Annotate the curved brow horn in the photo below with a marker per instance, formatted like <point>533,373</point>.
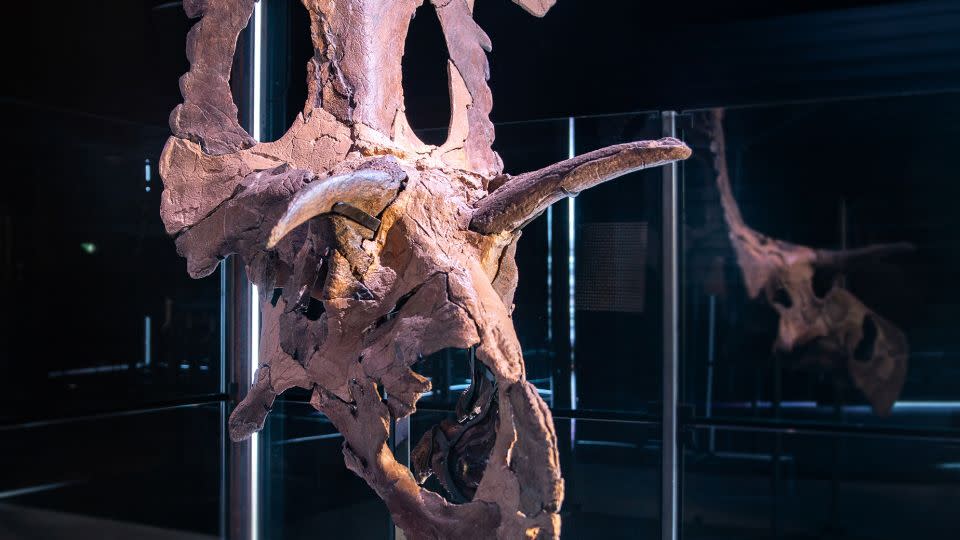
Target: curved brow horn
<point>521,198</point>
<point>369,190</point>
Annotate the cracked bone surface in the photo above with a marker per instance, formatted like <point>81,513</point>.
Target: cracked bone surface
<point>371,249</point>
<point>831,329</point>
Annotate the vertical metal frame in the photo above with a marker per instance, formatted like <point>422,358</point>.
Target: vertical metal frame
<point>224,385</point>
<point>237,363</point>
<point>572,283</point>
<point>240,320</point>
<point>670,486</point>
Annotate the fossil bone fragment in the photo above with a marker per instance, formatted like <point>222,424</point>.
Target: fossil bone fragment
<point>371,249</point>
<point>833,329</point>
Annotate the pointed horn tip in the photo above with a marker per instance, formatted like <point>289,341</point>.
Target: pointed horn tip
<point>677,148</point>
<point>669,148</point>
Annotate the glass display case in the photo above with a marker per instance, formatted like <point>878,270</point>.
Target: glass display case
<point>681,408</point>
<point>767,446</point>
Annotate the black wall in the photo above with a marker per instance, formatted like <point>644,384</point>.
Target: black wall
<point>584,57</point>
<point>601,57</point>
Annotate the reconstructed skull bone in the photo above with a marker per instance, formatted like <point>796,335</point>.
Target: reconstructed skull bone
<point>371,249</point>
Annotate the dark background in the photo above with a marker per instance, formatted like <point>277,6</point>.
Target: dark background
<point>114,58</point>
<point>89,87</point>
<point>821,91</point>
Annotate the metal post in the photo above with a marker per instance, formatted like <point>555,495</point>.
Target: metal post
<point>224,385</point>
<point>711,360</point>
<point>236,340</point>
<point>671,341</point>
<point>572,284</point>
<point>240,488</point>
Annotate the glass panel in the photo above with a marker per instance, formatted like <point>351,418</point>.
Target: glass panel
<point>306,490</point>
<point>147,475</point>
<point>618,298</point>
<point>612,479</point>
<point>539,314</point>
<point>742,485</point>
<point>100,312</point>
<point>611,472</point>
<point>836,176</point>
<point>523,146</point>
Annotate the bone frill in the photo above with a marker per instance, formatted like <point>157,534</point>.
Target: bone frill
<point>835,329</point>
<point>372,250</point>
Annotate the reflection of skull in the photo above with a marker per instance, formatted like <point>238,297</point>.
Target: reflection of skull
<point>818,317</point>
<point>371,249</point>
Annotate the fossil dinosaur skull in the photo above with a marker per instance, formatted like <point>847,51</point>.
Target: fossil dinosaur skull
<point>371,249</point>
<point>832,328</point>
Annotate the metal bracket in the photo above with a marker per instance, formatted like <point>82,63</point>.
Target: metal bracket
<point>352,212</point>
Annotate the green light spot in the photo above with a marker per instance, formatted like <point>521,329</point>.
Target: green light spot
<point>88,247</point>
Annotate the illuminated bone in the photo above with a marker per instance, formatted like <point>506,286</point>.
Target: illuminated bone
<point>372,249</point>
